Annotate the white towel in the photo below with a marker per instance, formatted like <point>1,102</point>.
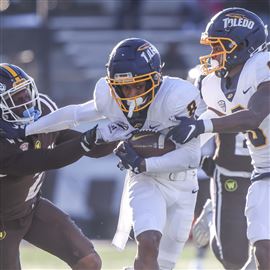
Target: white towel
<point>125,219</point>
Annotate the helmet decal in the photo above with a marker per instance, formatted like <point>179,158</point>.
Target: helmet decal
<point>235,19</point>
<point>148,52</point>
<point>3,88</point>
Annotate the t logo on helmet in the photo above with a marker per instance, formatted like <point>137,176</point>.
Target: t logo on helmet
<point>237,20</point>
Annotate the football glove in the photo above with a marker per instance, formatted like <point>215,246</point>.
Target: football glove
<point>208,165</point>
<point>129,159</point>
<point>11,131</point>
<point>201,227</point>
<point>186,130</point>
<point>105,133</point>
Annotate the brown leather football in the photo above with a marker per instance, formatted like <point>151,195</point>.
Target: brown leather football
<point>148,143</point>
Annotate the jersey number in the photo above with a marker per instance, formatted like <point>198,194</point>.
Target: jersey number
<point>34,189</point>
<point>191,107</point>
<point>255,136</point>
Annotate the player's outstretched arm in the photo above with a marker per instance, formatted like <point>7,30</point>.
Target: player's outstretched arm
<point>13,161</point>
<point>247,119</point>
<point>64,118</point>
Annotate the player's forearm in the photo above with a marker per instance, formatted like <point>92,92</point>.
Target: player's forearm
<point>33,161</point>
<point>64,118</point>
<point>184,158</point>
<point>237,122</point>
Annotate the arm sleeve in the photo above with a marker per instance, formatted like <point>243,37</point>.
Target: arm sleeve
<point>16,162</point>
<point>65,118</point>
<point>184,158</point>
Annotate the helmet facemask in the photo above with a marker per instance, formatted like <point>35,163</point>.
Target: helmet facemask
<point>138,102</point>
<point>217,59</point>
<point>21,104</point>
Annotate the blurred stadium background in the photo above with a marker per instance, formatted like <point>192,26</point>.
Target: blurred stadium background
<point>64,45</point>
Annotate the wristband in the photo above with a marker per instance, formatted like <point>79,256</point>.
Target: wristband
<point>208,126</point>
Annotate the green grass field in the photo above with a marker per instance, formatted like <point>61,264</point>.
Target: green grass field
<point>34,258</point>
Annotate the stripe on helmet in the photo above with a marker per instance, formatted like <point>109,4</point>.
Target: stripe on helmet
<point>11,72</point>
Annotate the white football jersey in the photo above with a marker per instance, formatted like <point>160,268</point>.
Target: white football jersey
<point>255,71</point>
<point>174,97</point>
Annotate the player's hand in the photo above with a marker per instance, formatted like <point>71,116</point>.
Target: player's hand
<point>11,131</point>
<point>208,165</point>
<point>114,131</point>
<point>129,159</point>
<point>105,133</point>
<point>186,130</point>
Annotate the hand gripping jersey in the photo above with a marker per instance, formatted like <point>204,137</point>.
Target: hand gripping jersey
<point>255,71</point>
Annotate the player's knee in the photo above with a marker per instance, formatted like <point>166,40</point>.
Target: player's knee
<point>89,262</point>
<point>148,243</point>
<point>262,253</point>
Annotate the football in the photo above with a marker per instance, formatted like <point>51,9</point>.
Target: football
<point>148,143</point>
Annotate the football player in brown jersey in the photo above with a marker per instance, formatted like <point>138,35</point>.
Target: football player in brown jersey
<point>24,214</point>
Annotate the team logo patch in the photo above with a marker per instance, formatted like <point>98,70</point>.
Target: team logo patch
<point>138,125</point>
<point>231,185</point>
<point>38,144</point>
<point>235,19</point>
<point>2,88</point>
<point>230,96</point>
<point>222,105</point>
<point>24,146</point>
<point>3,235</point>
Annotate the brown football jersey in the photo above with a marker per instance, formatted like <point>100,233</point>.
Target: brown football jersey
<point>19,189</point>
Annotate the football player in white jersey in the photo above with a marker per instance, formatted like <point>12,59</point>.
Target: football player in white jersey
<point>237,93</point>
<point>160,192</point>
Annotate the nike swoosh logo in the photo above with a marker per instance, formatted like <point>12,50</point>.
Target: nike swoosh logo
<point>245,91</point>
<point>154,126</point>
<point>194,191</point>
<point>138,137</point>
<point>192,128</point>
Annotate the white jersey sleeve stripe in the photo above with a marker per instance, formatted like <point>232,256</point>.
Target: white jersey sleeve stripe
<point>48,102</point>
